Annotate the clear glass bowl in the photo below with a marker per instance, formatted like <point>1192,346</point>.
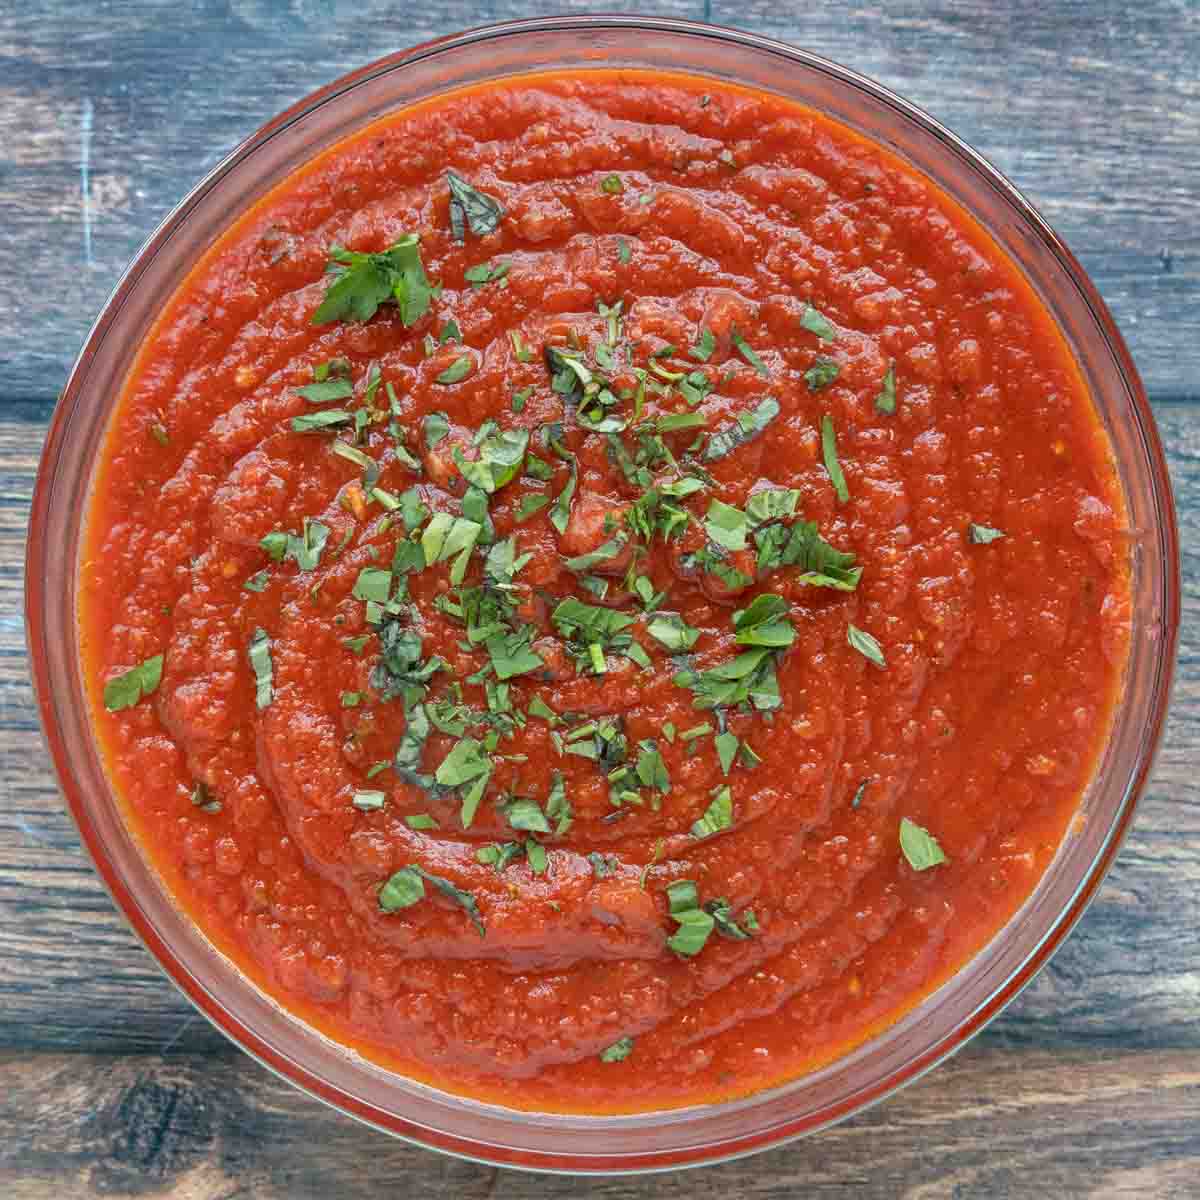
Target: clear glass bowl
<point>944,1021</point>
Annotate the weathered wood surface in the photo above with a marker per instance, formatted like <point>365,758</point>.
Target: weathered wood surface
<point>109,1085</point>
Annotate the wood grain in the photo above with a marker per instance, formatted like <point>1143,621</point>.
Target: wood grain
<point>986,1124</point>
<point>1092,108</point>
<point>110,1084</point>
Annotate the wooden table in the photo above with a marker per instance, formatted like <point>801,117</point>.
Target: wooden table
<point>111,1085</point>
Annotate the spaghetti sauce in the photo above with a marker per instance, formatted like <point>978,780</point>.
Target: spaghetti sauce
<point>603,591</point>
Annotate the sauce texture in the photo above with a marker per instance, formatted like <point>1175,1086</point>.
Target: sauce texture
<point>650,629</point>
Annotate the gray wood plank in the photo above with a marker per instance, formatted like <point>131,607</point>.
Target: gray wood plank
<point>73,977</point>
<point>1092,108</point>
<point>988,1123</point>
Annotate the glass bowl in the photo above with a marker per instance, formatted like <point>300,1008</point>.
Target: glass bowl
<point>948,1017</point>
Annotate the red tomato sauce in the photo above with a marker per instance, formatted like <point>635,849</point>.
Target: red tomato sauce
<point>445,824</point>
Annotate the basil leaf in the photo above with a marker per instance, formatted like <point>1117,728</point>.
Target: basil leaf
<point>695,926</point>
<point>676,422</point>
<point>829,453</point>
<point>727,747</point>
<point>539,708</point>
<point>764,622</point>
<point>702,351</point>
<point>530,504</point>
<point>500,458</point>
<point>535,855</point>
<point>722,913</point>
<point>618,1051</point>
<point>672,631</point>
<point>605,553</point>
<point>771,504</point>
<point>866,645</point>
<point>466,761</point>
<point>885,402</point>
<point>126,689</point>
<point>748,354</point>
<point>464,899</point>
<point>920,847</point>
<point>327,418</point>
<point>260,663</point>
<point>402,890</point>
<point>560,514</point>
<point>624,254</point>
<point>745,428</point>
<point>817,323</point>
<point>558,807</point>
<point>858,795</point>
<point>651,769</point>
<point>718,816</point>
<point>982,535</point>
<point>511,655</point>
<point>258,582</point>
<point>373,583</point>
<point>420,821</point>
<point>525,815</point>
<point>821,374</point>
<point>362,282</point>
<point>324,392</point>
<point>482,212</point>
<point>435,426</point>
<point>459,369</point>
<point>589,622</point>
<point>726,525</point>
<point>368,801</point>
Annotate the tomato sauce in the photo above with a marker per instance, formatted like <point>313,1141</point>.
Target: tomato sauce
<point>702,503</point>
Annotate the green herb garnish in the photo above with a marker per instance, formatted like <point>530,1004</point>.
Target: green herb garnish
<point>471,208</point>
<point>260,663</point>
<point>829,453</point>
<point>866,645</point>
<point>126,689</point>
<point>362,282</point>
<point>746,427</point>
<point>718,815</point>
<point>885,402</point>
<point>982,535</point>
<point>920,847</point>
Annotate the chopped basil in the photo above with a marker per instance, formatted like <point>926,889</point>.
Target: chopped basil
<point>520,349</point>
<point>535,856</point>
<point>727,747</point>
<point>605,553</point>
<point>558,807</point>
<point>446,536</point>
<point>885,402</point>
<point>362,282</point>
<point>982,535</point>
<point>466,761</point>
<point>260,662</point>
<point>560,514</point>
<point>420,821</point>
<point>802,545</point>
<point>920,846</point>
<point>327,390</point>
<point>695,925</point>
<point>821,374</point>
<point>327,418</point>
<point>407,886</point>
<point>651,770</point>
<point>718,815</point>
<point>677,422</point>
<point>480,212</point>
<point>859,793</point>
<point>602,865</point>
<point>764,622</point>
<point>743,348</point>
<point>511,655</point>
<point>818,323</point>
<point>618,1051</point>
<point>745,428</point>
<point>672,631</point>
<point>458,370</point>
<point>722,914</point>
<point>771,504</point>
<point>726,525</point>
<point>530,504</point>
<point>204,800</point>
<point>126,689</point>
<point>484,273</point>
<point>611,185</point>
<point>747,678</point>
<point>526,815</point>
<point>623,251</point>
<point>866,645</point>
<point>351,699</point>
<point>589,622</point>
<point>373,583</point>
<point>368,801</point>
<point>829,452</point>
<point>258,582</point>
<point>702,351</point>
<point>435,426</point>
<point>539,708</point>
<point>500,457</point>
<point>520,396</point>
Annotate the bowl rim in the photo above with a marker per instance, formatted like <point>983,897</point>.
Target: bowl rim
<point>296,1073</point>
